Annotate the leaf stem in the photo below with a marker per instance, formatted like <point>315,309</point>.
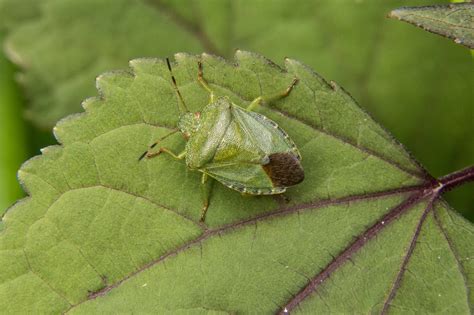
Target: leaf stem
<point>452,180</point>
<point>13,137</point>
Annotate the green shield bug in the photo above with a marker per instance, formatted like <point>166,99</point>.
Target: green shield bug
<point>242,149</point>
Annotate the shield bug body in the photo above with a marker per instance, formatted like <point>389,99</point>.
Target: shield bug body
<point>238,147</point>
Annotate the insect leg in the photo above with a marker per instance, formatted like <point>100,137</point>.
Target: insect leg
<point>203,82</point>
<point>272,98</point>
<point>158,141</point>
<point>179,156</point>
<point>206,189</point>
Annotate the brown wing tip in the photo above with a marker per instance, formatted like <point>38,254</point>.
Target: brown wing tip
<point>284,169</point>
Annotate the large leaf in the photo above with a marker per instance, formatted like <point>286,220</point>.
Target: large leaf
<point>455,21</point>
<point>104,233</point>
<point>14,13</point>
<point>379,60</point>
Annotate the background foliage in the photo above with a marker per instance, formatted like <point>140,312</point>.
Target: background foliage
<point>102,233</point>
<point>418,85</point>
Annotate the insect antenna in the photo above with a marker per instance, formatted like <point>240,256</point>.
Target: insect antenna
<point>143,155</point>
<point>182,105</point>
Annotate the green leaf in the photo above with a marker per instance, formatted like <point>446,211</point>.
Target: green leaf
<point>104,233</point>
<point>455,21</point>
<point>14,13</point>
<point>380,61</point>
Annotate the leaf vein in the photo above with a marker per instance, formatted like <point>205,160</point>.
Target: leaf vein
<point>354,247</point>
<point>44,281</point>
<point>408,255</point>
<point>456,257</point>
<point>208,233</point>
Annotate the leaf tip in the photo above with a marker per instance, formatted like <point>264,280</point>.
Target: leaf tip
<point>144,65</point>
<point>240,54</point>
<point>58,129</point>
<point>290,62</point>
<point>183,58</point>
<point>134,64</point>
<point>113,80</point>
<point>85,104</point>
<point>206,55</point>
<point>292,65</point>
<point>20,174</point>
<point>180,56</point>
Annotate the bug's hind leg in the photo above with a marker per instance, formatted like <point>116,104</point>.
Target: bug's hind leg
<point>272,98</point>
<point>206,190</point>
<point>204,83</point>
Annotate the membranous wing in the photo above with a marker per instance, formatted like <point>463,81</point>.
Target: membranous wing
<point>265,132</point>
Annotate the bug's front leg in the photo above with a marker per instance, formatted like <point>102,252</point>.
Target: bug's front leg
<point>272,98</point>
<point>179,156</point>
<point>158,141</point>
<point>206,189</point>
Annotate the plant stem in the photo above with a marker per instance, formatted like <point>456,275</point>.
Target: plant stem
<point>12,134</point>
<point>452,180</point>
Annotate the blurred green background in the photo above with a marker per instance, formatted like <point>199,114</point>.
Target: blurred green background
<point>417,85</point>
